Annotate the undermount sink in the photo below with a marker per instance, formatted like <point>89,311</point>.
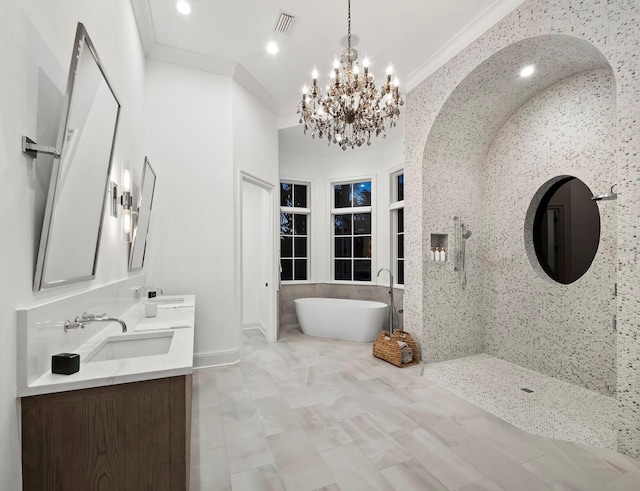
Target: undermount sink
<point>167,299</point>
<point>131,346</point>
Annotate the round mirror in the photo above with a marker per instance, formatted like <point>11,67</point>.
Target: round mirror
<point>566,230</point>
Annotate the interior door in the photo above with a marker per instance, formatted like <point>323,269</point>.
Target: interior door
<point>258,292</point>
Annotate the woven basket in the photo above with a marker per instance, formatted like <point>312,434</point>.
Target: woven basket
<point>388,349</point>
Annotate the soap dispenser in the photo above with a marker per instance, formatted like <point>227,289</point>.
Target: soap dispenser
<point>443,254</point>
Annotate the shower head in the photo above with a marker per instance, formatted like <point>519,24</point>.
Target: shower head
<point>466,234</point>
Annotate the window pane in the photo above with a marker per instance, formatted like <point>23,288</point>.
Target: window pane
<point>361,223</point>
<point>400,220</point>
<point>401,272</point>
<point>400,246</point>
<point>286,225</point>
<point>342,224</point>
<point>342,195</point>
<point>343,270</point>
<point>287,269</point>
<point>300,224</point>
<point>300,247</point>
<point>286,191</point>
<point>286,247</point>
<point>343,247</point>
<point>362,193</point>
<point>300,195</point>
<point>362,247</point>
<point>400,196</point>
<point>300,269</point>
<point>362,270</point>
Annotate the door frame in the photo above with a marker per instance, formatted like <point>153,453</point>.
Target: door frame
<point>270,250</point>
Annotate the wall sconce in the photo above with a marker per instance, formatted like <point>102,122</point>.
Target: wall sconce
<point>125,201</point>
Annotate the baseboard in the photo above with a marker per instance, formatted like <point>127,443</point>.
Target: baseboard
<point>290,326</point>
<point>216,358</point>
<point>256,325</point>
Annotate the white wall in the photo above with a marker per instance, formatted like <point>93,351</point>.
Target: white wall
<point>189,144</point>
<point>255,154</point>
<point>320,171</point>
<point>201,130</point>
<point>255,137</point>
<point>36,40</point>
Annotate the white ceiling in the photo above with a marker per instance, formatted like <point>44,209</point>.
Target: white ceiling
<point>229,37</point>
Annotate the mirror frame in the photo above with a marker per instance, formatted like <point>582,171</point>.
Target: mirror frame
<point>82,42</point>
<point>137,240</point>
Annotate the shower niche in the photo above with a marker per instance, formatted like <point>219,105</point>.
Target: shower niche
<point>439,248</point>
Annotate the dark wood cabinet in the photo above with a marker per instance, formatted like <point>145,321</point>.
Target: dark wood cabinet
<point>133,436</point>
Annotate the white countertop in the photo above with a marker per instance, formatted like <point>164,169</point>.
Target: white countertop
<point>176,317</point>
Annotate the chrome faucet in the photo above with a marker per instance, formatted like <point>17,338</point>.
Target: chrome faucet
<point>391,304</point>
<point>84,319</point>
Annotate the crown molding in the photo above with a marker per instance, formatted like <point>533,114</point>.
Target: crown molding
<point>142,14</point>
<point>287,120</point>
<point>472,31</point>
<point>286,115</point>
<point>214,65</point>
<point>192,60</point>
<point>189,59</point>
<point>245,79</point>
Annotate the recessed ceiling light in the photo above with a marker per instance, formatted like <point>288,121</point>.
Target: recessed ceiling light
<point>183,7</point>
<point>272,47</point>
<point>527,71</point>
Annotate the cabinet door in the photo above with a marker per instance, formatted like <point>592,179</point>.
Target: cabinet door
<point>127,437</point>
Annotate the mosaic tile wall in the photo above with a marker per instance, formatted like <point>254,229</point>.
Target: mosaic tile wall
<point>565,331</point>
<point>431,307</point>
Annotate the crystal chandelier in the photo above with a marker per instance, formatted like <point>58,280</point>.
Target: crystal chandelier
<point>352,109</point>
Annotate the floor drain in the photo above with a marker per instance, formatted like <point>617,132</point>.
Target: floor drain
<point>528,391</point>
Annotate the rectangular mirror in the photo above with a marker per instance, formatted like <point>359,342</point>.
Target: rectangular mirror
<point>77,193</point>
<point>145,202</point>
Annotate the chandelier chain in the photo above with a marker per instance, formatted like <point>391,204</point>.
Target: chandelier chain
<point>349,25</point>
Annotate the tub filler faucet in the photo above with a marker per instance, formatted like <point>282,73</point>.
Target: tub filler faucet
<point>391,304</point>
<point>84,319</point>
<point>390,276</point>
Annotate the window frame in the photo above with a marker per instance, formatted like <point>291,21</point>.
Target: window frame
<point>352,210</point>
<point>394,206</point>
<point>299,211</point>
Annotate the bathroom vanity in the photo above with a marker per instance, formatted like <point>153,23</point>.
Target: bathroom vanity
<point>124,436</point>
<point>123,421</point>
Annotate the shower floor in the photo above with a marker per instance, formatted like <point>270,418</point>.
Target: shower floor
<point>554,408</point>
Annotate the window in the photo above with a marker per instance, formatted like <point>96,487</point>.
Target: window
<point>352,237</point>
<point>397,225</point>
<point>294,231</point>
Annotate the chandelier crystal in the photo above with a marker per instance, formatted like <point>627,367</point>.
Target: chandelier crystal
<point>351,110</point>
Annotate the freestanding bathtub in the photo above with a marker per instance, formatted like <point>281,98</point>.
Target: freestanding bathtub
<point>338,318</point>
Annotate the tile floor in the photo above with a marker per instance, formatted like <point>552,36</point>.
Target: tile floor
<point>309,414</point>
<point>555,408</point>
